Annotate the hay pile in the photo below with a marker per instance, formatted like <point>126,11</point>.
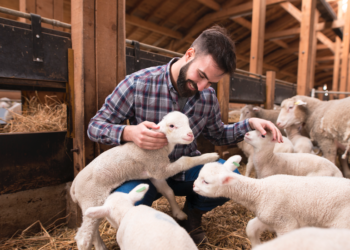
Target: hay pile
<point>38,117</point>
<point>225,227</point>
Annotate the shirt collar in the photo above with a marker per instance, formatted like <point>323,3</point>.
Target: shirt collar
<point>170,84</point>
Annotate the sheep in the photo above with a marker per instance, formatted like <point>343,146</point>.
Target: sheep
<point>15,109</point>
<point>301,144</point>
<point>4,105</point>
<point>268,163</point>
<point>248,150</point>
<point>326,122</point>
<point>109,170</point>
<point>281,203</point>
<point>141,227</point>
<point>310,239</point>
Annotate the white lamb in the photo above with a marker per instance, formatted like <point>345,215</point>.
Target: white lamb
<point>15,109</point>
<point>95,182</point>
<point>268,163</point>
<point>310,238</point>
<point>248,150</point>
<point>281,203</point>
<point>301,144</point>
<point>141,227</point>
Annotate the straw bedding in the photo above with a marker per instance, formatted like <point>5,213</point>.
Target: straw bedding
<point>225,227</point>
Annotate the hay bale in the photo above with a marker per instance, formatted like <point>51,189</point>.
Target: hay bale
<point>38,117</point>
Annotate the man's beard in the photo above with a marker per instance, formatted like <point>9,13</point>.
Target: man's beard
<point>182,87</point>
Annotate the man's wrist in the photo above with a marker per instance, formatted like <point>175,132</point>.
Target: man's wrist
<point>127,133</point>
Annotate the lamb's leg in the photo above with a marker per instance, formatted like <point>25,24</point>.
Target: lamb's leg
<point>87,234</point>
<point>249,167</point>
<point>254,229</point>
<point>185,163</point>
<point>163,188</point>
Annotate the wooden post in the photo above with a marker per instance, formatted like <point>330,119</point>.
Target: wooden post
<point>336,66</point>
<point>98,39</point>
<point>224,100</point>
<point>307,31</point>
<point>319,95</point>
<point>270,89</point>
<point>257,37</point>
<point>344,75</point>
<point>313,53</point>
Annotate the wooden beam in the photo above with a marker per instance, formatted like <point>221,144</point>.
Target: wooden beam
<point>313,52</point>
<point>330,66</point>
<point>152,27</point>
<point>307,32</point>
<point>344,75</point>
<point>336,68</point>
<point>137,5</point>
<point>325,58</point>
<point>257,37</point>
<point>242,21</point>
<point>326,41</point>
<point>270,89</point>
<point>211,4</point>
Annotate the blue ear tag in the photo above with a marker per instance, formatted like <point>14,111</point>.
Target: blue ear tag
<point>236,164</point>
<point>140,190</point>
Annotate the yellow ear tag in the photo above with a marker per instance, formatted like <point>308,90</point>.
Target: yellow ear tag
<point>297,102</point>
<point>236,164</point>
<point>140,190</point>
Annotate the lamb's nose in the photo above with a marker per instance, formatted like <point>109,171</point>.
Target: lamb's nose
<point>190,135</point>
<point>278,124</point>
<point>246,133</point>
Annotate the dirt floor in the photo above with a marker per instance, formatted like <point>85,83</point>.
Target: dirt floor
<point>225,227</point>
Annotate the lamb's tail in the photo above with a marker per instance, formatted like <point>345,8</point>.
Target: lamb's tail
<point>72,192</point>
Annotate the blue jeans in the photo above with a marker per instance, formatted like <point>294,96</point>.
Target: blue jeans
<point>180,188</point>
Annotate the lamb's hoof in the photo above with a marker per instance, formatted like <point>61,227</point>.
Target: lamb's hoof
<point>210,157</point>
<point>180,215</point>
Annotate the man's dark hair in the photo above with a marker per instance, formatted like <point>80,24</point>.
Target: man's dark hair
<point>216,42</point>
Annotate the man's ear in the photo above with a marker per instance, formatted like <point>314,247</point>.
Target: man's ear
<point>97,212</point>
<point>226,179</point>
<point>190,54</point>
<point>138,192</point>
<point>233,162</point>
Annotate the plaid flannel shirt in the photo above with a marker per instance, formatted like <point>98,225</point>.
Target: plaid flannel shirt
<point>148,95</point>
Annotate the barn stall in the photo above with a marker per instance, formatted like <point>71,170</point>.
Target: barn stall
<point>110,40</point>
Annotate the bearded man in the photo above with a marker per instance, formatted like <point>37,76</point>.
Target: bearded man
<point>183,84</point>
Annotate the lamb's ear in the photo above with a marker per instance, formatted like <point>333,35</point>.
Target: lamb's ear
<point>256,108</point>
<point>138,192</point>
<point>97,212</point>
<point>233,162</point>
<point>300,103</point>
<point>226,179</point>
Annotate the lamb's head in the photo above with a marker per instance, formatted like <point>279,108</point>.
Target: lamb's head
<point>249,111</point>
<point>259,141</point>
<point>210,178</point>
<point>117,204</point>
<point>4,105</point>
<point>176,128</point>
<point>293,111</point>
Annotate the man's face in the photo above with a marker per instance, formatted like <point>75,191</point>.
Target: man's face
<point>198,74</point>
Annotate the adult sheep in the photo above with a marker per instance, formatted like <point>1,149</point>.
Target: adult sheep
<point>326,122</point>
<point>115,166</point>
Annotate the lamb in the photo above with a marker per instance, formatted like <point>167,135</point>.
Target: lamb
<point>310,239</point>
<point>268,163</point>
<point>95,182</point>
<point>326,122</point>
<point>248,150</point>
<point>301,144</point>
<point>15,109</point>
<point>141,227</point>
<point>281,203</point>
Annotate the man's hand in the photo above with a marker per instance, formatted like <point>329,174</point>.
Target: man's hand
<point>261,125</point>
<point>143,137</point>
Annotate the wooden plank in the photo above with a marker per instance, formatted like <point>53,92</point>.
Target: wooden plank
<point>319,95</point>
<point>70,96</point>
<point>44,8</point>
<point>121,57</point>
<point>326,41</point>
<point>270,89</point>
<point>307,31</point>
<point>137,5</point>
<point>152,27</point>
<point>336,68</point>
<point>211,4</point>
<point>330,66</point>
<point>313,53</point>
<point>344,75</point>
<point>242,21</point>
<point>58,12</point>
<point>291,9</point>
<point>27,6</point>
<point>325,58</point>
<point>257,37</point>
<point>224,100</point>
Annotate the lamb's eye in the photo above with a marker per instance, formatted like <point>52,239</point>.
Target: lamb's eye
<point>263,136</point>
<point>171,126</point>
<point>205,182</point>
<point>290,107</point>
